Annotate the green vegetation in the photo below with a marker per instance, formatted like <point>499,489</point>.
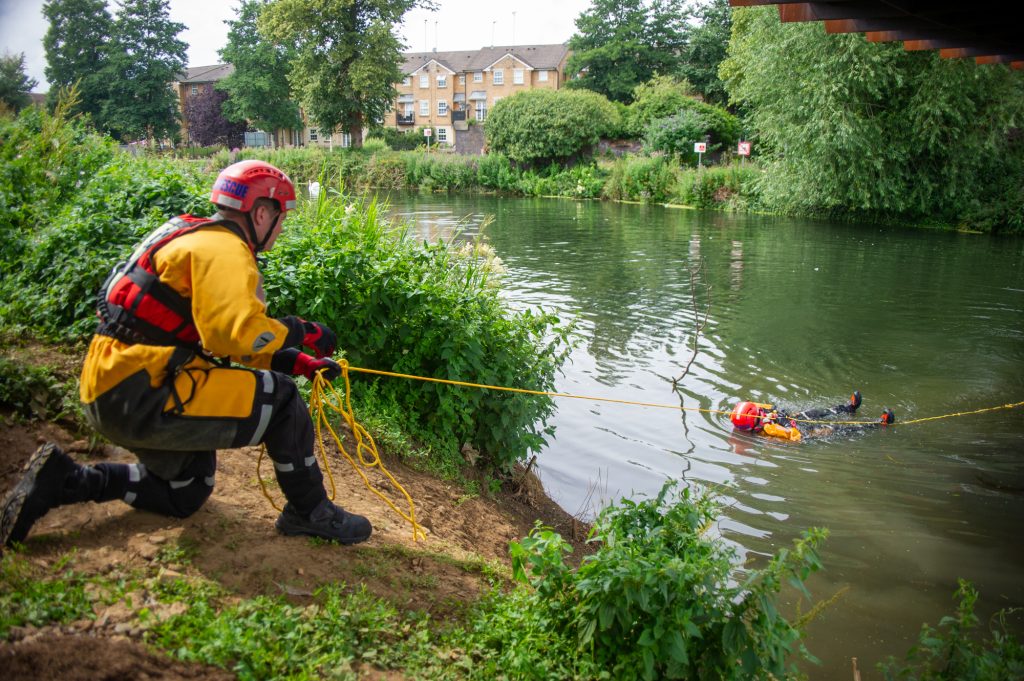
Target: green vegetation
<point>851,128</point>
<point>953,652</point>
<point>123,65</point>
<point>543,126</point>
<point>15,84</point>
<point>620,44</point>
<point>661,598</point>
<point>346,57</point>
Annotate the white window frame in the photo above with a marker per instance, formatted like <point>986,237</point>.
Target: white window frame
<point>424,81</point>
<point>195,89</point>
<point>424,107</point>
<point>346,139</point>
<point>542,76</point>
<point>517,76</point>
<point>498,77</point>
<point>407,80</point>
<point>478,76</point>
<point>481,110</point>
<point>314,134</point>
<point>442,135</point>
<point>442,80</point>
<point>409,109</point>
<point>462,79</point>
<point>442,107</point>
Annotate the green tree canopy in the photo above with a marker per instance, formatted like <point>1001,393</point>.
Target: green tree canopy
<point>257,89</point>
<point>347,57</point>
<point>14,82</point>
<point>540,126</point>
<point>659,97</point>
<point>145,57</point>
<point>622,43</point>
<point>848,125</point>
<point>706,48</point>
<point>76,51</point>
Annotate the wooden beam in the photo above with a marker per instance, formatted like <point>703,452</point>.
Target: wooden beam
<point>797,11</point>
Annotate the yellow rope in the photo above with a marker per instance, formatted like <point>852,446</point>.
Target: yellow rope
<point>366,448</point>
<point>656,405</point>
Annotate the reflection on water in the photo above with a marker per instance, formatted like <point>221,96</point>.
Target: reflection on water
<point>801,314</point>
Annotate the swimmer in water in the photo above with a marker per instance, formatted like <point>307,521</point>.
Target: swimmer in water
<point>767,419</point>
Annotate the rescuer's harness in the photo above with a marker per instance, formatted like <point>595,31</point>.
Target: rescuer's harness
<point>135,307</point>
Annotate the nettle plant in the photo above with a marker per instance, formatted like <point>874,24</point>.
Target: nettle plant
<point>661,598</point>
<point>403,305</point>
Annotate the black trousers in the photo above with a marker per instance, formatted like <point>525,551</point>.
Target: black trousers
<point>176,447</point>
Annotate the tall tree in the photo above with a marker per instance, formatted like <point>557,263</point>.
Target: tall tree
<point>258,86</point>
<point>14,82</point>
<point>622,43</point>
<point>207,124</point>
<point>76,43</point>
<point>145,57</point>
<point>706,48</point>
<point>849,125</point>
<point>347,57</point>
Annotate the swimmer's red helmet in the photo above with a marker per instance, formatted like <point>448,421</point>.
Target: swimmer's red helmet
<point>746,416</point>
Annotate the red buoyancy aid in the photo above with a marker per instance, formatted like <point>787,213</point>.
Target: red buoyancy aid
<point>134,306</point>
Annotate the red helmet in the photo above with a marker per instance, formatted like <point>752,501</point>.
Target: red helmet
<point>747,416</point>
<point>240,184</point>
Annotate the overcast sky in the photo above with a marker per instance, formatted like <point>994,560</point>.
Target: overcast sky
<point>456,25</point>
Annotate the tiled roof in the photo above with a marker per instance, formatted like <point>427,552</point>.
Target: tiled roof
<point>206,74</point>
<point>536,56</point>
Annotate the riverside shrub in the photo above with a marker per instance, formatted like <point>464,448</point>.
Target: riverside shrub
<point>659,599</point>
<point>413,307</point>
<point>538,127</point>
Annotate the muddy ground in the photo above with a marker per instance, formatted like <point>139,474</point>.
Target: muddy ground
<point>232,541</point>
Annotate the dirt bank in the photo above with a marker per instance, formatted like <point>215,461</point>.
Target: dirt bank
<point>232,541</point>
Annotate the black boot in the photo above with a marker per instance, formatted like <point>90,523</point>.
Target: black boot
<point>326,521</point>
<point>39,490</point>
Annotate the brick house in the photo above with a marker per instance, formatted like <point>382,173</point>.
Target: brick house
<point>448,90</point>
<point>200,79</point>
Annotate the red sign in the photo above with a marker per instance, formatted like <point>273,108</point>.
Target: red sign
<point>743,148</point>
<point>700,147</point>
<point>427,132</point>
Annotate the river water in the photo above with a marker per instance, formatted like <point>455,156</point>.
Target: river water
<point>801,313</point>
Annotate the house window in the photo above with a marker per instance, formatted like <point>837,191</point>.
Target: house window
<point>424,107</point>
<point>346,139</point>
<point>408,109</point>
<point>499,76</point>
<point>313,133</point>
<point>481,111</point>
<point>462,79</point>
<point>517,76</point>
<point>424,81</point>
<point>442,80</point>
<point>442,135</point>
<point>442,107</point>
<point>478,76</point>
<point>195,89</point>
<point>542,76</point>
<point>407,80</point>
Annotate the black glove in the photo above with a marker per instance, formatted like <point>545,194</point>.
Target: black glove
<point>291,361</point>
<point>319,338</point>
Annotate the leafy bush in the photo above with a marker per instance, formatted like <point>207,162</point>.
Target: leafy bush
<point>660,97</point>
<point>27,599</point>
<point>54,289</point>
<point>537,127</point>
<point>641,178</point>
<point>952,653</point>
<point>718,186</point>
<point>398,140</point>
<point>417,308</point>
<point>44,160</point>
<point>695,122</point>
<point>386,171</point>
<point>658,599</point>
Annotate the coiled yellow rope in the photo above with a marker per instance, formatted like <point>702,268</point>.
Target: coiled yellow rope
<point>366,449</point>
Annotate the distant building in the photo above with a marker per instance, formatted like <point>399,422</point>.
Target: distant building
<point>447,90</point>
<point>200,79</point>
